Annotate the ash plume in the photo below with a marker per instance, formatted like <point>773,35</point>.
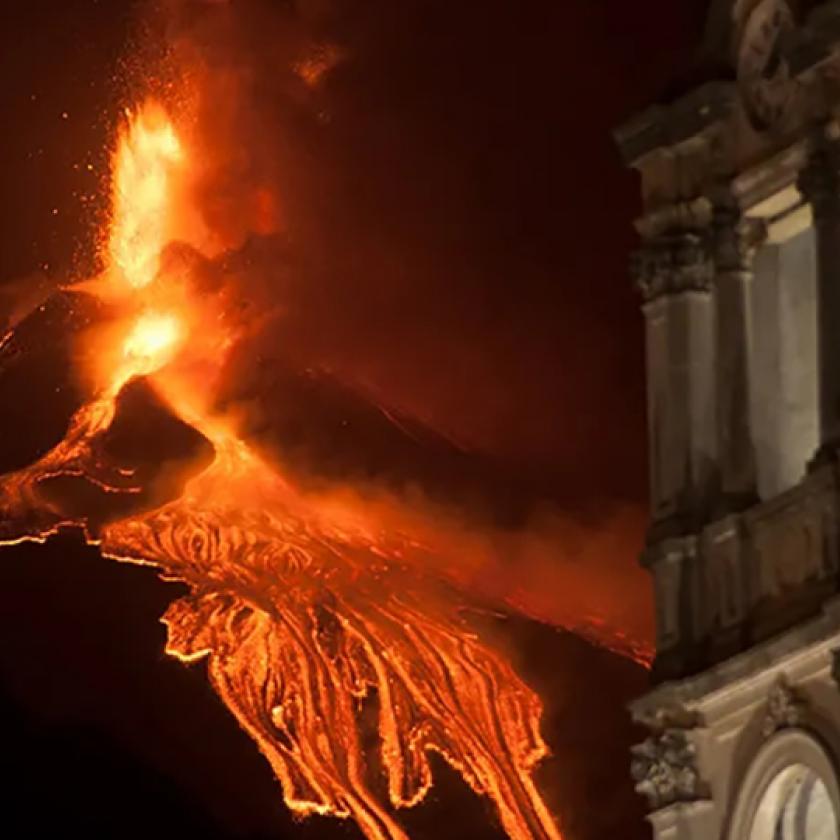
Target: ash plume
<point>356,247</point>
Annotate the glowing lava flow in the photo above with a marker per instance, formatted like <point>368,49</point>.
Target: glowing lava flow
<point>303,615</point>
<point>141,201</point>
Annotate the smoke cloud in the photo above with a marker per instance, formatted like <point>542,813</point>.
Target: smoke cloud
<point>398,221</point>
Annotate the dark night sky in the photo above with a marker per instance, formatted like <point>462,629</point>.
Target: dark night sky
<point>470,172</point>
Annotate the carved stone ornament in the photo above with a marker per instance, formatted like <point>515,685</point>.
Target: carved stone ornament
<point>764,75</point>
<point>673,264</point>
<point>664,768</point>
<point>785,708</point>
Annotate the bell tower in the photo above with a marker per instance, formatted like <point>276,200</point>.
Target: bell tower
<point>739,275</point>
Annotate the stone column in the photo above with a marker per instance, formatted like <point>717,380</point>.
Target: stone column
<point>784,372</point>
<point>674,274</point>
<point>733,255</point>
<point>820,184</point>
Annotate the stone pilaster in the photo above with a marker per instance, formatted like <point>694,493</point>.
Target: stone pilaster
<point>734,250</point>
<point>820,184</point>
<point>674,274</point>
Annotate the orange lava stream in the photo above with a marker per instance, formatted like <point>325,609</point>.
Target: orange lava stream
<point>304,615</point>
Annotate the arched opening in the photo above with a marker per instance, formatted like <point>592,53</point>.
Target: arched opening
<point>790,791</point>
<point>795,806</point>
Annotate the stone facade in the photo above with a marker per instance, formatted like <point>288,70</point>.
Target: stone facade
<point>739,274</point>
<point>744,721</point>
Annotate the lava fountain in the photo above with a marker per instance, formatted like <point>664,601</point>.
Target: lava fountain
<point>302,611</point>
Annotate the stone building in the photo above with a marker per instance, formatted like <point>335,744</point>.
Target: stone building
<point>739,270</point>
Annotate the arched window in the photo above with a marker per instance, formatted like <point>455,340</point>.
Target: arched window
<point>789,792</point>
<point>795,806</point>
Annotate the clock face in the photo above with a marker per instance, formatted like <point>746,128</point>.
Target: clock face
<point>763,70</point>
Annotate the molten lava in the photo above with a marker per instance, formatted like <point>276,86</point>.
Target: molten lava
<point>148,152</point>
<point>152,341</point>
<point>303,612</point>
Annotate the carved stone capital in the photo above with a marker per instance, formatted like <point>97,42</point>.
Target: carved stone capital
<point>649,270</point>
<point>735,240</point>
<point>673,264</point>
<point>670,716</point>
<point>785,708</point>
<point>664,768</point>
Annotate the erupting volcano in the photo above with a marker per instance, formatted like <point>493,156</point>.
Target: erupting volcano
<point>305,610</point>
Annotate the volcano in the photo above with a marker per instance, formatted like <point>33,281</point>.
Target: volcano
<point>339,613</point>
<point>329,431</point>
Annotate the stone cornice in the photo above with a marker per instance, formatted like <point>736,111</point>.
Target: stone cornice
<point>669,125</point>
<point>750,191</point>
<point>815,43</point>
<point>769,176</point>
<point>818,634</point>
